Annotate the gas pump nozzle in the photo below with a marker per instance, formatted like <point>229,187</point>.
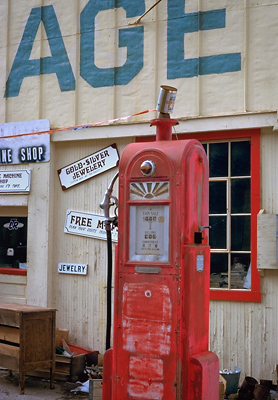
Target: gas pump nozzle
<point>198,235</point>
<point>108,201</point>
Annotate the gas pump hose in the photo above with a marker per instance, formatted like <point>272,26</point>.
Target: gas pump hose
<point>109,288</point>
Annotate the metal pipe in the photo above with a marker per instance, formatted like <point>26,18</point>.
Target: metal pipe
<point>105,205</point>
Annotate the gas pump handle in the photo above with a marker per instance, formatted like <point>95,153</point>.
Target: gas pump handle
<point>115,202</point>
<point>107,203</point>
<point>204,227</point>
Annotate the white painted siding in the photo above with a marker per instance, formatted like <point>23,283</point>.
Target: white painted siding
<point>245,334</point>
<point>244,32</point>
<point>81,300</point>
<point>13,289</point>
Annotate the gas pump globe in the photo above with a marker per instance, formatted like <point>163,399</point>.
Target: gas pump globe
<point>161,295</point>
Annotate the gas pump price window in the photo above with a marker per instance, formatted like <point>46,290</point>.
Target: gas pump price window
<point>149,223</point>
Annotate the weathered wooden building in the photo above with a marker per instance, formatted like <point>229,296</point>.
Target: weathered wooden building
<point>86,75</point>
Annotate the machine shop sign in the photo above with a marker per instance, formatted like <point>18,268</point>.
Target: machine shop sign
<point>25,149</point>
<point>88,167</point>
<point>89,225</point>
<point>15,181</point>
<point>70,268</point>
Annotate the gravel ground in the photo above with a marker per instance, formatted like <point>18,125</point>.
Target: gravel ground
<point>36,389</point>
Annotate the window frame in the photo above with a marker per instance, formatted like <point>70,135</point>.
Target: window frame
<point>254,294</point>
<point>16,211</point>
<point>12,271</point>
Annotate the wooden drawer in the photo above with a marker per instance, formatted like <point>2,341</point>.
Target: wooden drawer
<point>9,356</point>
<point>9,334</point>
<point>10,318</point>
<point>66,369</point>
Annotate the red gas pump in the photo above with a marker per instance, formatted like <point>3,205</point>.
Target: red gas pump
<point>161,303</point>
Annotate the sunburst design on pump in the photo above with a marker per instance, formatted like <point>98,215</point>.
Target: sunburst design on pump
<point>149,190</point>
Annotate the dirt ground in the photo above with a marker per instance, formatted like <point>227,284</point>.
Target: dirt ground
<point>37,389</point>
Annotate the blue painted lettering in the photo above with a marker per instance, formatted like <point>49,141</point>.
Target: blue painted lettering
<point>179,24</point>
<point>132,38</point>
<point>58,63</point>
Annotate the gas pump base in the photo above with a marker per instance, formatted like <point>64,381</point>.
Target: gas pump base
<point>203,381</point>
<point>107,375</point>
<point>203,377</point>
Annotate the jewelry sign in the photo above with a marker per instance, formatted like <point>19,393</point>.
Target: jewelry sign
<point>89,225</point>
<point>70,268</point>
<point>88,167</point>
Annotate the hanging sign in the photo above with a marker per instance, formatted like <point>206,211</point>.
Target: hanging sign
<point>89,225</point>
<point>88,167</point>
<point>70,268</point>
<point>14,181</point>
<point>25,149</point>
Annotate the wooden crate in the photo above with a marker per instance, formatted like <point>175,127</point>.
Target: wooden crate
<point>66,368</point>
<point>95,389</point>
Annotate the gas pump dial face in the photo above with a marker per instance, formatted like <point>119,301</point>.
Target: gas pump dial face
<point>149,233</point>
<point>149,223</point>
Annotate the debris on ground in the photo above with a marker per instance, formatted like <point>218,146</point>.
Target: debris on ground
<point>250,388</point>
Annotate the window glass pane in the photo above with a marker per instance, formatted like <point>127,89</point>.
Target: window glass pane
<point>205,146</point>
<point>240,196</point>
<point>217,198</point>
<point>13,242</point>
<point>217,233</point>
<point>240,158</point>
<point>218,159</point>
<point>219,270</point>
<point>240,272</point>
<point>240,235</point>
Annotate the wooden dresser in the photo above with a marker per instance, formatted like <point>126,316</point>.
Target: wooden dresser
<point>27,339</point>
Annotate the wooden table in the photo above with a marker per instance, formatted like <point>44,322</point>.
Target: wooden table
<point>27,339</point>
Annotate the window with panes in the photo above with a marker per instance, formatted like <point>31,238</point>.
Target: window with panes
<point>229,213</point>
<point>234,202</point>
